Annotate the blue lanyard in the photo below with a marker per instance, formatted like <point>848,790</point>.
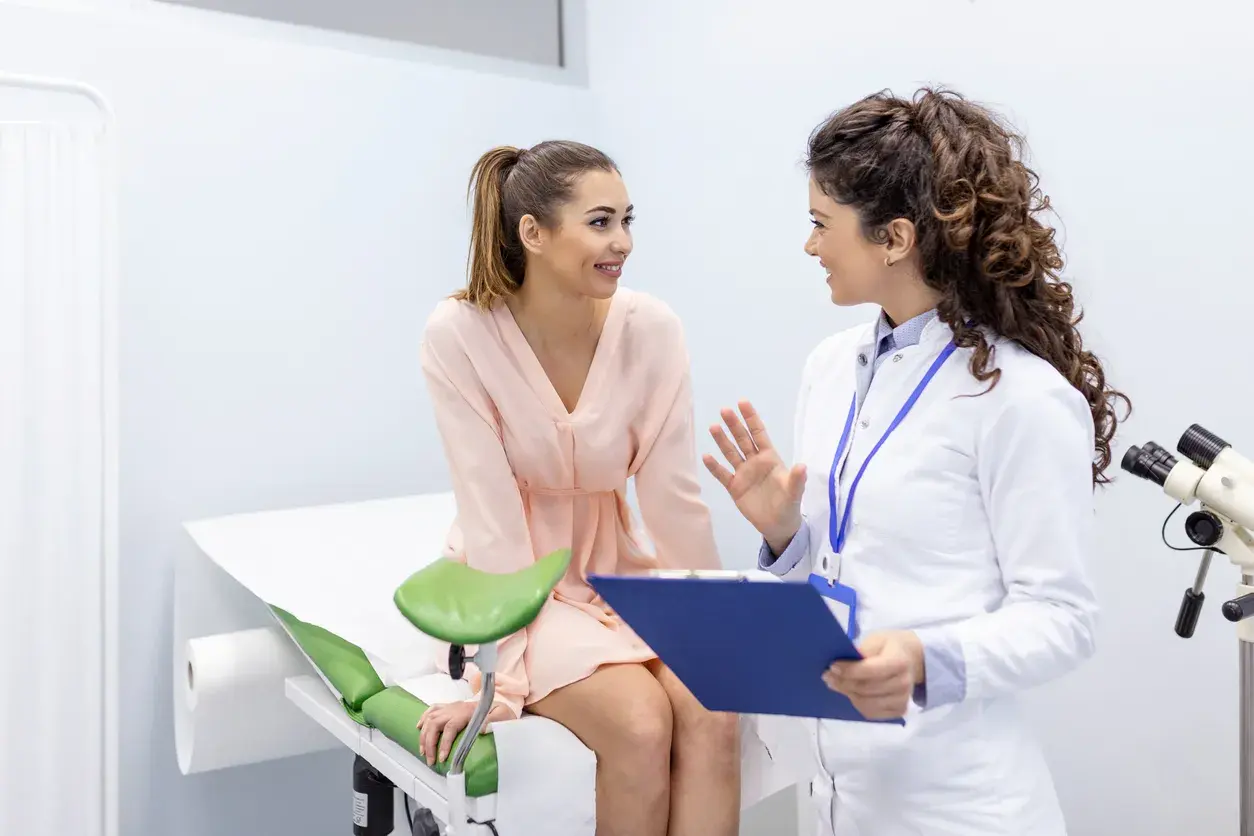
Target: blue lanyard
<point>836,534</point>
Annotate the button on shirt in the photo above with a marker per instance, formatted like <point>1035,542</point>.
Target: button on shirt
<point>946,668</point>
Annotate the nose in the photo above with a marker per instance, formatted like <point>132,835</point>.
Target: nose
<point>812,246</point>
<point>621,245</point>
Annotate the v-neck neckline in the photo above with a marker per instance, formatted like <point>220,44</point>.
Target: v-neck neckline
<point>534,369</point>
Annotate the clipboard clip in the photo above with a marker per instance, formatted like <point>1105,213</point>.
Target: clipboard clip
<point>705,574</point>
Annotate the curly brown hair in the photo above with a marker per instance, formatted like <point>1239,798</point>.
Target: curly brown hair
<point>954,169</point>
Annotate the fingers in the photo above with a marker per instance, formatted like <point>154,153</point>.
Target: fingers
<point>729,451</point>
<point>875,689</point>
<point>439,725</point>
<point>757,429</point>
<point>796,482</point>
<point>722,474</point>
<point>451,729</point>
<point>889,708</point>
<point>739,432</point>
<point>873,678</point>
<point>870,671</point>
<point>750,435</point>
<point>430,725</point>
<point>879,700</point>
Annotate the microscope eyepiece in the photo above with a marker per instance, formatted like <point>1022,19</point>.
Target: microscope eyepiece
<point>1150,461</point>
<point>1130,459</point>
<point>1200,446</point>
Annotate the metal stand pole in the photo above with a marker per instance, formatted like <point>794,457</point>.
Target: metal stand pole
<point>1247,728</point>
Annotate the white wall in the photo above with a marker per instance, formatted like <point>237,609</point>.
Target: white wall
<point>1139,125</point>
<point>290,214</point>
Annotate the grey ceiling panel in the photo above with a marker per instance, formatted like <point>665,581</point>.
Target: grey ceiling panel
<point>520,30</point>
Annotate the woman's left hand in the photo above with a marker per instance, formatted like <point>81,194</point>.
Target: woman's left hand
<point>440,724</point>
<point>881,684</point>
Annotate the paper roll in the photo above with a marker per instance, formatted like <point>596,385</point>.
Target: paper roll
<point>230,708</point>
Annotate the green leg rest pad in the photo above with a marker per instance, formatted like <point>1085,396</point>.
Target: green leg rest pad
<point>454,603</point>
<point>342,663</point>
<point>395,712</point>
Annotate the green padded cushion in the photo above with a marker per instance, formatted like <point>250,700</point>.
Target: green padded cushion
<point>396,712</point>
<point>457,604</point>
<point>342,663</point>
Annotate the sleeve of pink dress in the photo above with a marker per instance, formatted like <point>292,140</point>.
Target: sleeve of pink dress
<point>490,512</point>
<point>677,519</point>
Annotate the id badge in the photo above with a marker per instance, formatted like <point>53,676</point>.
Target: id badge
<point>841,600</point>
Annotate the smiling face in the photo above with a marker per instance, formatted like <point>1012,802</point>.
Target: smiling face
<point>585,249</point>
<point>856,272</point>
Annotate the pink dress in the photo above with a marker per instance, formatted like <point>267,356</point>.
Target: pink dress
<point>530,477</point>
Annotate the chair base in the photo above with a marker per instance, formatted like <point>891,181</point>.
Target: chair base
<point>374,806</point>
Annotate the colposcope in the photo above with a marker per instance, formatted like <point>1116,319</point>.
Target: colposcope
<point>1221,480</point>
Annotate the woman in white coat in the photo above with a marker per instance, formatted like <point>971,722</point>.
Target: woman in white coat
<point>945,457</point>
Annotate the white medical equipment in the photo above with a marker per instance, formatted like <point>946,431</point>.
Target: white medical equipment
<point>1222,481</point>
<point>355,587</point>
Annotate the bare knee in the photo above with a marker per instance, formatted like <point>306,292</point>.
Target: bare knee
<point>643,731</point>
<point>621,713</point>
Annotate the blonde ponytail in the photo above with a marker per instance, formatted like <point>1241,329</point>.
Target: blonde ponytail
<point>488,276</point>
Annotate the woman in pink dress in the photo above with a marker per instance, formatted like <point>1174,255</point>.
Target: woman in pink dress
<point>551,387</point>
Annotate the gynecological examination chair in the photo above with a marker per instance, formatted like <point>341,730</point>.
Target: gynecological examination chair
<point>302,630</point>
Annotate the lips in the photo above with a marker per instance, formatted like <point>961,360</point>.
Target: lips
<point>614,269</point>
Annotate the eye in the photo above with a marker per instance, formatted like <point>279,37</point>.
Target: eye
<point>816,223</point>
<point>629,220</point>
<point>601,222</point>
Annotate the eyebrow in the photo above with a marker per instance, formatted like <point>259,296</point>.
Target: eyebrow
<point>608,209</point>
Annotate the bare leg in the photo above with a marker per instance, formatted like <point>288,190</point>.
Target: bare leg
<point>623,715</point>
<point>705,765</point>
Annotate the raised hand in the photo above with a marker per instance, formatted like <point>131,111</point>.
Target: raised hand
<point>766,491</point>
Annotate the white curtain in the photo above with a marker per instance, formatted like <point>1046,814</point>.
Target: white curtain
<point>52,481</point>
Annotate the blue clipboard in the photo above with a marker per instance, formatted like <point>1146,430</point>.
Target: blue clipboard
<point>739,645</point>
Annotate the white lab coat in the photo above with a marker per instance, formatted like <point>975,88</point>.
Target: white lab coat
<point>972,525</point>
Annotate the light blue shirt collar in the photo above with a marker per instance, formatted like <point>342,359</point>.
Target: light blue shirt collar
<point>908,333</point>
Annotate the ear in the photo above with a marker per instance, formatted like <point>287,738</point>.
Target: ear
<point>902,238</point>
<point>531,234</point>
